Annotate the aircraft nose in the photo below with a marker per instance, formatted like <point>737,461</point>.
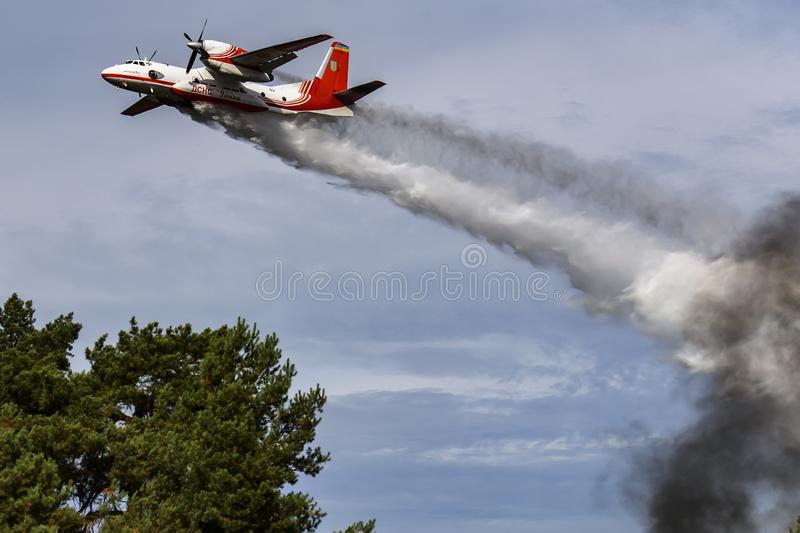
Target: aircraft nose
<point>107,74</point>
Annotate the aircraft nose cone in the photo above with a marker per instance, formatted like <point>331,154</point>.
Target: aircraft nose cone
<point>111,75</point>
<point>106,74</point>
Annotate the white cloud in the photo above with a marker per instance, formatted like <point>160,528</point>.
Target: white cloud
<point>530,452</point>
<point>492,366</point>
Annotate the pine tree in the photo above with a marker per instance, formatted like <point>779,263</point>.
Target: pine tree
<point>170,429</point>
<point>35,388</point>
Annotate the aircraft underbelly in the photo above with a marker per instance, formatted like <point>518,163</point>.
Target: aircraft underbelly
<point>217,94</point>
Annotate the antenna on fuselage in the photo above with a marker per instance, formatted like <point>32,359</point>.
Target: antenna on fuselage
<point>138,55</point>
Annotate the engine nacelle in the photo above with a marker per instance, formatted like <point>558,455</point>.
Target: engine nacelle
<point>244,73</point>
<point>219,56</point>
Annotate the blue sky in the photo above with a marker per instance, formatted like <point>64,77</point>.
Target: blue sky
<point>443,415</point>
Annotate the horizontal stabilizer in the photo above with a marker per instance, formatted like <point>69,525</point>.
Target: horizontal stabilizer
<point>353,94</point>
<point>141,105</point>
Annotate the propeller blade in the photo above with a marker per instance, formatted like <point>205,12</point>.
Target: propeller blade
<point>137,53</point>
<point>200,39</point>
<point>191,61</point>
<point>195,46</point>
<point>153,55</point>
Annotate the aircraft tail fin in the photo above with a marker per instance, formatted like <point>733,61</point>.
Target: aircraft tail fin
<point>332,75</point>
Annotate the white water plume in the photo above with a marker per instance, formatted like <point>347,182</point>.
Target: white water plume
<point>522,197</point>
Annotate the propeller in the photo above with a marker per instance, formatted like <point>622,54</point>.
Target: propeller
<point>196,46</point>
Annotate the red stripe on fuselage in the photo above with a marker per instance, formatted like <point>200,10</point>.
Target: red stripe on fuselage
<point>305,103</point>
<point>138,78</point>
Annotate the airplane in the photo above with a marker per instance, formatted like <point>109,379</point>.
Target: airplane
<point>235,77</point>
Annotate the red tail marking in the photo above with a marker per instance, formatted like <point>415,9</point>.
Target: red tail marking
<point>332,75</point>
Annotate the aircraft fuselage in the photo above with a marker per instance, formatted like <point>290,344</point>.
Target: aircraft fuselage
<point>229,77</point>
<point>172,85</point>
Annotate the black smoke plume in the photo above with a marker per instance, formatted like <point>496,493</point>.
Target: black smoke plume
<point>743,452</point>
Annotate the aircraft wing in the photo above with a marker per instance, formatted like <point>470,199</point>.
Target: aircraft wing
<point>141,105</point>
<point>269,58</point>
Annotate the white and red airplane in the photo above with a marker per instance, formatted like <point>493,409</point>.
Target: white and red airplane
<point>232,76</point>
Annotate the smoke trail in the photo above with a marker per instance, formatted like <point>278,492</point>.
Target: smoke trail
<point>462,183</point>
<point>744,326</point>
<point>530,170</point>
<point>631,249</point>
